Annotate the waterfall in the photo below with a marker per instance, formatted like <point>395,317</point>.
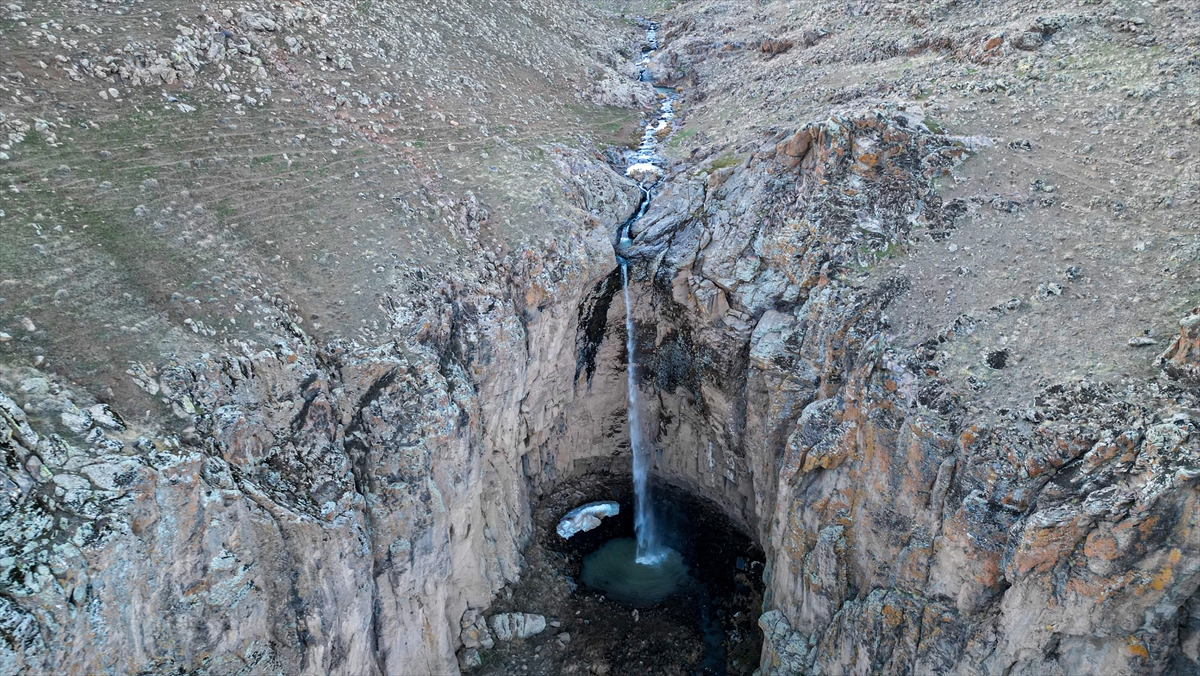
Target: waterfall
<point>646,169</point>
<point>649,551</point>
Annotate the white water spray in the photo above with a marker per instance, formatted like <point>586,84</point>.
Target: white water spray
<point>649,550</point>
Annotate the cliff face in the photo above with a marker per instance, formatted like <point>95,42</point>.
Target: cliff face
<point>338,509</point>
<point>346,506</point>
<point>935,492</point>
<point>904,532</point>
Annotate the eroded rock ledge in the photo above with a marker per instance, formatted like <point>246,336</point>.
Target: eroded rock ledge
<point>345,508</point>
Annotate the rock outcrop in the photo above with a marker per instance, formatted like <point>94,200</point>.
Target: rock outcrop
<point>903,531</point>
<point>1181,360</point>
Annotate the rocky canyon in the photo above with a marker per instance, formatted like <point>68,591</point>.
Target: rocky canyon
<point>317,316</point>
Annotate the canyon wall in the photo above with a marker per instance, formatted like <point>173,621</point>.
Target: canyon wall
<point>335,508</point>
<point>345,503</point>
<point>905,532</point>
<point>338,508</point>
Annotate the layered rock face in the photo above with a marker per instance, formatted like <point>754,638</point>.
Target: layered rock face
<point>337,509</point>
<point>905,533</point>
<point>342,509</point>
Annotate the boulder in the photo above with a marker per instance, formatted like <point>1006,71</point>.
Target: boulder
<point>773,46</point>
<point>507,626</point>
<point>644,172</point>
<point>1181,360</point>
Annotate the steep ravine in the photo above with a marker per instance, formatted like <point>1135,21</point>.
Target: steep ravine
<point>345,508</point>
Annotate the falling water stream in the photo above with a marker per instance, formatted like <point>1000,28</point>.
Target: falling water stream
<point>649,550</point>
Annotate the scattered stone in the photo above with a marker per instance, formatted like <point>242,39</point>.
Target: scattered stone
<point>475,632</point>
<point>105,417</point>
<point>75,419</point>
<point>811,37</point>
<point>1049,289</point>
<point>507,626</point>
<point>773,46</point>
<point>997,359</point>
<point>28,325</point>
<point>143,376</point>
<point>257,22</point>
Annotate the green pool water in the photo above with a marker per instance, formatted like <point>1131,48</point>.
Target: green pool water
<point>613,570</point>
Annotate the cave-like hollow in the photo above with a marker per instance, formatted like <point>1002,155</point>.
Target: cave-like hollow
<point>703,497</point>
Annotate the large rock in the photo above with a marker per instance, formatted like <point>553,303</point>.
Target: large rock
<point>508,626</point>
<point>1181,359</point>
<point>644,172</point>
<point>475,632</point>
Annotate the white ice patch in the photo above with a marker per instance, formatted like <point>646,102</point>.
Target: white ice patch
<point>586,517</point>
